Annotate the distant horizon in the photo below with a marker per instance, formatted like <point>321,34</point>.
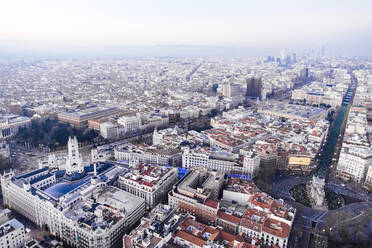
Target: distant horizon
<point>219,28</point>
<point>141,51</point>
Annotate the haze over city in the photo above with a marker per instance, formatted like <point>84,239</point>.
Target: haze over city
<point>181,27</point>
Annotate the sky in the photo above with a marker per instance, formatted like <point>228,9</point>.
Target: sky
<point>262,26</point>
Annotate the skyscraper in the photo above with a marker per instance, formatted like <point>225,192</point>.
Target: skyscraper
<point>288,59</point>
<point>254,87</point>
<point>294,58</point>
<point>282,56</point>
<point>231,90</point>
<point>321,50</point>
<point>304,74</point>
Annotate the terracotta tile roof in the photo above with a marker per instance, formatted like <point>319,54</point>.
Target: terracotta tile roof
<point>277,228</point>
<point>229,217</point>
<point>211,203</point>
<point>190,238</point>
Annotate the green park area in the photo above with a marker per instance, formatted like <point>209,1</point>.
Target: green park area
<point>52,134</point>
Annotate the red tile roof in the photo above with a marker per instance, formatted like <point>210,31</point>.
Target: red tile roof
<point>190,238</point>
<point>211,203</point>
<point>229,217</point>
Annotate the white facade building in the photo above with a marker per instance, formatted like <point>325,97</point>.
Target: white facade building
<point>157,137</point>
<point>251,163</point>
<point>149,182</point>
<point>10,124</point>
<point>354,162</point>
<point>130,123</point>
<point>203,160</point>
<point>109,130</point>
<point>90,215</point>
<point>232,90</point>
<point>229,163</point>
<point>12,234</point>
<point>368,181</point>
<point>149,155</point>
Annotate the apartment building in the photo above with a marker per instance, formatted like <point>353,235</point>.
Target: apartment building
<point>197,193</point>
<point>151,183</point>
<point>354,163</point>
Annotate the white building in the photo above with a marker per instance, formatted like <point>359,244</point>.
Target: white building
<point>149,182</point>
<point>328,98</point>
<point>233,94</point>
<point>221,161</point>
<point>231,90</point>
<point>12,234</point>
<point>354,162</point>
<point>251,163</point>
<point>157,137</point>
<point>130,123</point>
<point>203,160</point>
<point>87,213</point>
<point>368,181</point>
<point>108,130</point>
<point>10,124</point>
<point>148,154</point>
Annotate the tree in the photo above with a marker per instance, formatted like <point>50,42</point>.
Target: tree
<point>53,134</point>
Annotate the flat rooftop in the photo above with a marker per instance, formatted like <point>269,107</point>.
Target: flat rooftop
<point>292,109</point>
<point>106,206</point>
<point>90,111</point>
<point>10,226</point>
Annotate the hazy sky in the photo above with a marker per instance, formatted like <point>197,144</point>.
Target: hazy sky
<point>340,25</point>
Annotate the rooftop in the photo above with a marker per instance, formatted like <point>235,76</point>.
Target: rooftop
<point>89,111</point>
<point>106,207</point>
<point>147,175</point>
<point>10,226</point>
